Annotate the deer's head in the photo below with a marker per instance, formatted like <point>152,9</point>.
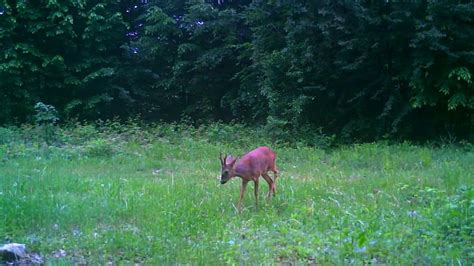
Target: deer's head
<point>227,167</point>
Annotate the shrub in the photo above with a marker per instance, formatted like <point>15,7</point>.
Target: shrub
<point>98,148</point>
<point>46,118</point>
<point>6,135</point>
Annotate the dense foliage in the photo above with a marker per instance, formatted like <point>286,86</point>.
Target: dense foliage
<point>362,70</point>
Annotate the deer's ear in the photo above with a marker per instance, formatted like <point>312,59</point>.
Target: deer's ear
<point>220,158</point>
<point>234,160</point>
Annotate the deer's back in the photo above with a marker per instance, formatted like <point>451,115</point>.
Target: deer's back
<point>260,160</point>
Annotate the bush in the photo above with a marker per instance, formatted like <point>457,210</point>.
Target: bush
<point>99,147</point>
<point>46,118</point>
<point>6,135</point>
<point>77,133</point>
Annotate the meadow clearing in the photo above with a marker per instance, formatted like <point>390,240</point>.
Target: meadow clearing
<point>128,194</point>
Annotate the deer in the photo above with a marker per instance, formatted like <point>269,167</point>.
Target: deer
<point>250,167</point>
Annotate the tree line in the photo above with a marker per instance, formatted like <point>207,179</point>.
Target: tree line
<point>362,70</point>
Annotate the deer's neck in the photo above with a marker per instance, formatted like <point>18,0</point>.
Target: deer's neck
<point>241,171</point>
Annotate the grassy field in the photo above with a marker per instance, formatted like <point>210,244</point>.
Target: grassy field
<point>126,194</point>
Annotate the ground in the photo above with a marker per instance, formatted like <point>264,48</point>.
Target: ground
<point>156,198</point>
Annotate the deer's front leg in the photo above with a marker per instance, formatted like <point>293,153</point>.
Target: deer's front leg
<point>242,192</point>
<point>256,192</point>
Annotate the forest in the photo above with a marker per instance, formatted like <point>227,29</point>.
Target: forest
<point>356,70</point>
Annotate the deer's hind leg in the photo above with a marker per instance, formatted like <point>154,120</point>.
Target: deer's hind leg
<point>271,184</point>
<point>276,173</point>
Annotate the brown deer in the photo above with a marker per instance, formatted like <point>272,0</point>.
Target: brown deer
<point>250,167</point>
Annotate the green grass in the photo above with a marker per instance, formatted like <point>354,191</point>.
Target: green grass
<point>152,196</point>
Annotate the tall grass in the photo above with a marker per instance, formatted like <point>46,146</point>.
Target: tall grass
<point>119,193</point>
